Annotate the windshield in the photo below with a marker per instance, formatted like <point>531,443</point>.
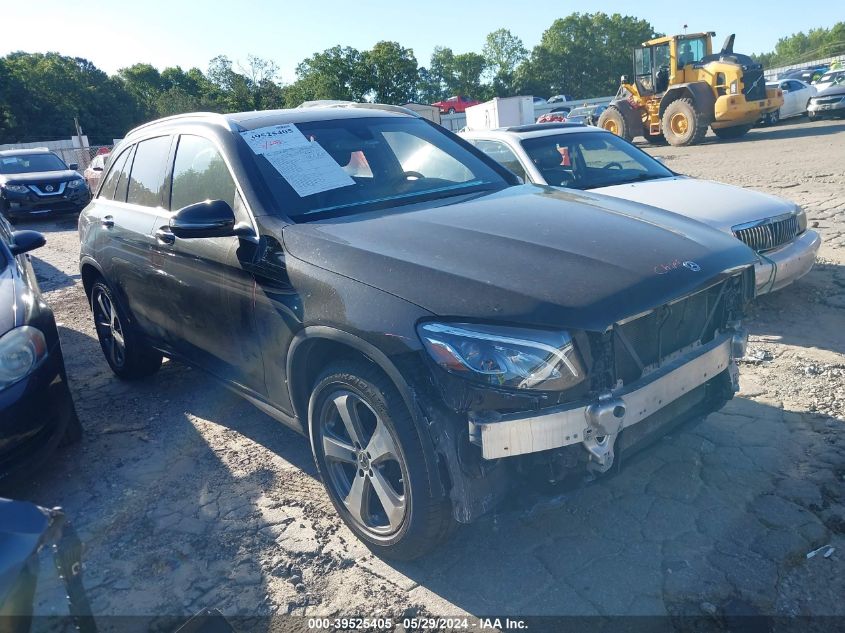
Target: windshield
<point>25,163</point>
<point>589,159</point>
<point>384,162</point>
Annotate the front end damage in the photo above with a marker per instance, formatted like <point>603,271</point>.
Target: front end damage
<point>647,374</point>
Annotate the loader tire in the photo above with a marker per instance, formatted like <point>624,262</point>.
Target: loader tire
<point>682,124</point>
<point>614,121</point>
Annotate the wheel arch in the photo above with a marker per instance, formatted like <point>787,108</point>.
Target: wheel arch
<point>89,272</point>
<point>310,350</point>
<point>700,93</point>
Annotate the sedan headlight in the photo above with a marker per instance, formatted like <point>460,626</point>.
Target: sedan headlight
<point>802,219</point>
<point>21,350</point>
<point>507,357</point>
<point>79,183</point>
<point>16,188</point>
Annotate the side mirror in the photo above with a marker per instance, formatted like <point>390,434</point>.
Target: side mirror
<point>212,218</point>
<point>25,241</point>
<point>73,166</point>
<point>623,79</point>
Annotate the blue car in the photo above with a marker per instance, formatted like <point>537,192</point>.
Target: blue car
<point>36,408</point>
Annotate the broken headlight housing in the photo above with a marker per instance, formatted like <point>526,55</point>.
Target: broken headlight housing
<point>507,357</point>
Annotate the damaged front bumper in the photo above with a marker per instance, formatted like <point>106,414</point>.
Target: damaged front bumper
<point>597,423</point>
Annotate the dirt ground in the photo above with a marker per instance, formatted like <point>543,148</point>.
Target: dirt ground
<point>188,497</point>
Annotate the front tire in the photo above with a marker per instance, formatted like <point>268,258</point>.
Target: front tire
<point>682,124</point>
<point>371,461</point>
<point>731,133</point>
<point>123,345</point>
<point>614,122</point>
<point>772,118</point>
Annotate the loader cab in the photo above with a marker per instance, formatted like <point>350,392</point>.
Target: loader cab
<point>665,61</point>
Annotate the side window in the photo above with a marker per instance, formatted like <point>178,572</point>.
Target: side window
<point>147,177</point>
<point>118,168</point>
<point>642,61</point>
<point>503,155</point>
<point>200,173</point>
<point>796,86</point>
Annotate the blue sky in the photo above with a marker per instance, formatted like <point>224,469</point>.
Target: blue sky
<point>189,32</point>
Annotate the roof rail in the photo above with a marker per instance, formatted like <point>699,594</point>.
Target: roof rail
<point>219,118</point>
<point>332,103</point>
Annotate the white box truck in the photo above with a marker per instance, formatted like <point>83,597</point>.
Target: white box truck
<point>500,112</point>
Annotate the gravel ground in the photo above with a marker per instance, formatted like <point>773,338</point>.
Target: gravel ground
<point>187,497</point>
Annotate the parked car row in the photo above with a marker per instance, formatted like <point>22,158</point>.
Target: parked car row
<point>438,315</point>
<point>822,98</point>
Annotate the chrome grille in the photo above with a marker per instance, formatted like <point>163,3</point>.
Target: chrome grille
<point>828,100</point>
<point>765,235</point>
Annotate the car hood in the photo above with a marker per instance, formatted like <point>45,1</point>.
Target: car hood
<point>527,254</point>
<point>830,91</point>
<point>38,177</point>
<point>714,203</point>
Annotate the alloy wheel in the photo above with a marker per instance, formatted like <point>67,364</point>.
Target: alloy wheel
<point>365,468</point>
<point>109,327</point>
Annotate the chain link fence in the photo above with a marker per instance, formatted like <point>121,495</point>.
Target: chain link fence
<point>82,156</point>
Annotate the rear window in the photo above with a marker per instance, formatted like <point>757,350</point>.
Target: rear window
<point>146,181</point>
<point>26,163</point>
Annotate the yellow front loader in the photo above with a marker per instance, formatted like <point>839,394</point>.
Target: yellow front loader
<point>680,88</point>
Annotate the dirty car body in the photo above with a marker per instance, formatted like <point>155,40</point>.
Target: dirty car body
<point>591,159</point>
<point>466,328</point>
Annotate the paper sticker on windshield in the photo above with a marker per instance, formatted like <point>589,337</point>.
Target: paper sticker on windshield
<point>304,164</point>
<point>9,161</point>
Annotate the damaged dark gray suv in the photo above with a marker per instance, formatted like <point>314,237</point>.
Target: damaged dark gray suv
<point>435,328</point>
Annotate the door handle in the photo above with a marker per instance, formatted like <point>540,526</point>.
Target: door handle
<point>165,236</point>
<point>107,221</point>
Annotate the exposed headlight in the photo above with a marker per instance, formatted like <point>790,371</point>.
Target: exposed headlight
<point>16,188</point>
<point>802,219</point>
<point>21,350</point>
<point>79,183</point>
<point>734,87</point>
<point>507,357</point>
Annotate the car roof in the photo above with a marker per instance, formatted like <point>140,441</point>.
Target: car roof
<point>25,152</point>
<point>535,130</point>
<point>245,121</point>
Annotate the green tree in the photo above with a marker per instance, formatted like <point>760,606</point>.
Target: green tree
<point>583,54</point>
<point>450,74</point>
<point>336,73</point>
<point>143,81</point>
<point>805,47</point>
<point>392,73</point>
<point>503,52</point>
<point>41,94</point>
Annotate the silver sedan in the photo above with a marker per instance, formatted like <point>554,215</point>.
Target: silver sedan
<point>587,158</point>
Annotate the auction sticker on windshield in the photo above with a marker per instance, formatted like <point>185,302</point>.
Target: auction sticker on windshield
<point>304,164</point>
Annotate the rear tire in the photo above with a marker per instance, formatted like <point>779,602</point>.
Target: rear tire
<point>376,474</point>
<point>683,124</point>
<point>123,345</point>
<point>731,133</point>
<point>772,118</point>
<point>614,122</point>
